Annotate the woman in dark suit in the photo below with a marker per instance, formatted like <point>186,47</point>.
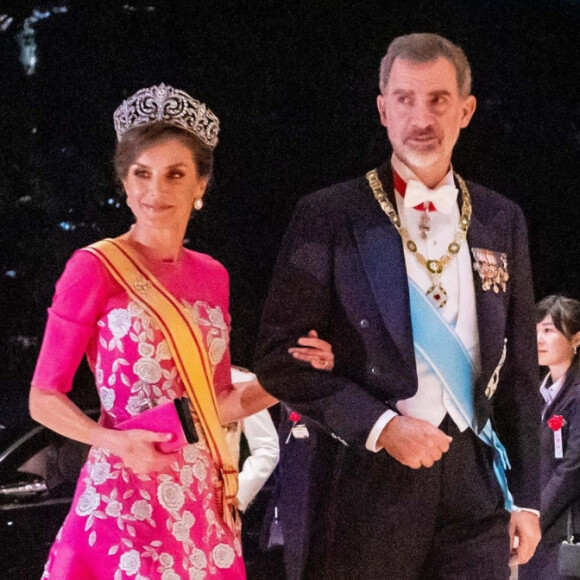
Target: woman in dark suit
<point>558,340</point>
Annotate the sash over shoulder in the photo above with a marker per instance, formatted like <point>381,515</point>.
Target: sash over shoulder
<point>186,346</point>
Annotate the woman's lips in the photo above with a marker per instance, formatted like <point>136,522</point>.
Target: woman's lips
<point>157,208</point>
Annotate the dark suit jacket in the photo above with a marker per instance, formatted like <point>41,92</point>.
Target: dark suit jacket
<point>560,480</point>
<point>294,492</point>
<point>341,271</point>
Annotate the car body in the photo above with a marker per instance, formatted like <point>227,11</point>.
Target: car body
<point>38,474</point>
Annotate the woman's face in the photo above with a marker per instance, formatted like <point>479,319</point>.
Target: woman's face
<point>554,349</point>
<point>162,184</point>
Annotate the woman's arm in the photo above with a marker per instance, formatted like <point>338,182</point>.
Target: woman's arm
<point>249,397</point>
<point>136,447</point>
<point>243,400</point>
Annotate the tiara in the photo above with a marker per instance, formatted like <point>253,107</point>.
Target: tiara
<point>164,103</point>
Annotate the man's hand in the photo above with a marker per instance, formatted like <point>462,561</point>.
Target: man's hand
<point>414,442</point>
<point>525,526</point>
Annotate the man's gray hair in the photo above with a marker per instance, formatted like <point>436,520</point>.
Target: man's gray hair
<point>427,47</point>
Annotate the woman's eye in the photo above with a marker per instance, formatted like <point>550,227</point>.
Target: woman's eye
<point>140,173</point>
<point>176,174</point>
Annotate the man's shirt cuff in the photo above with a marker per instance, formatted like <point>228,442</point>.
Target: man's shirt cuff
<point>377,429</point>
<point>520,509</point>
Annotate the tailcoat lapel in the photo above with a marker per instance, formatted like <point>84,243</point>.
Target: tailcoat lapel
<point>381,253</point>
<point>491,311</point>
<point>558,403</point>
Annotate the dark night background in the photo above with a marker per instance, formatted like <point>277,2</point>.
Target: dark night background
<point>294,85</point>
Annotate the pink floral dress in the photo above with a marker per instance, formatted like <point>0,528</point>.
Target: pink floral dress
<point>164,525</point>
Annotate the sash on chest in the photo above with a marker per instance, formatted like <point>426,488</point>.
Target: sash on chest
<point>185,343</point>
<point>437,345</point>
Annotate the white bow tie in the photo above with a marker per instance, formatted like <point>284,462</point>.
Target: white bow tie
<point>442,197</point>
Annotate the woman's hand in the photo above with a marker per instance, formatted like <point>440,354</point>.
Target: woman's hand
<point>315,351</point>
<point>136,447</point>
<point>249,397</point>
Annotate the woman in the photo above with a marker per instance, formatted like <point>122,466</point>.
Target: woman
<point>153,319</point>
<point>558,338</point>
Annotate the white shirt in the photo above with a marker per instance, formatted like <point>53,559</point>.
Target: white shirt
<point>264,455</point>
<point>264,448</point>
<point>549,392</point>
<point>430,402</point>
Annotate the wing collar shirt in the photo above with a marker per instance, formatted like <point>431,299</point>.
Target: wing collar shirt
<point>431,403</point>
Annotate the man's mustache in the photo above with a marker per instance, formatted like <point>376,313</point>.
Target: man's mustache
<point>421,134</point>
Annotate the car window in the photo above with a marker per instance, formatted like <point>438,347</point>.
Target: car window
<point>43,453</point>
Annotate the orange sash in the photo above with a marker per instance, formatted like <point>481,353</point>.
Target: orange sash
<point>187,349</point>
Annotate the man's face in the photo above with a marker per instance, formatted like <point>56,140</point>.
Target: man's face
<point>423,112</point>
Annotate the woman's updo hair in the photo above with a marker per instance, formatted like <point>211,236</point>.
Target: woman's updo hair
<point>564,311</point>
<point>136,140</point>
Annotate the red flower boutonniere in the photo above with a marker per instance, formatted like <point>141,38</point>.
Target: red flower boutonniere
<point>294,417</point>
<point>556,422</point>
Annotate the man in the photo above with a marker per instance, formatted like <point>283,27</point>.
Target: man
<point>426,297</point>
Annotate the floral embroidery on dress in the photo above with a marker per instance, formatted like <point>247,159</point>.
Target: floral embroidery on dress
<point>217,337</point>
<point>223,555</point>
<point>170,496</point>
<point>166,524</point>
<point>88,502</point>
<point>130,562</point>
<point>119,322</point>
<point>153,367</point>
<point>148,370</point>
<point>141,510</point>
<point>107,398</point>
<point>173,493</point>
<point>100,472</point>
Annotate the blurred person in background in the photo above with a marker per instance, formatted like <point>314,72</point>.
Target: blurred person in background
<point>558,326</point>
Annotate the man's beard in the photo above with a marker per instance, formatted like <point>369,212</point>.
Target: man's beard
<point>422,157</point>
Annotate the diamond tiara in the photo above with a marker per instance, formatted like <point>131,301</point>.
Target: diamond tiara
<point>164,103</point>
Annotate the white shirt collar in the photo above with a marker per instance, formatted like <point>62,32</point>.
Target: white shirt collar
<point>549,392</point>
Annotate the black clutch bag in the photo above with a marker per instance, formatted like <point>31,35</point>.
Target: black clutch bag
<point>569,552</point>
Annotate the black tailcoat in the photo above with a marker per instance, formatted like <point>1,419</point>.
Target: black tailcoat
<point>341,271</point>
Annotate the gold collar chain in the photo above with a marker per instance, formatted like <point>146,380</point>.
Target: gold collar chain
<point>434,268</point>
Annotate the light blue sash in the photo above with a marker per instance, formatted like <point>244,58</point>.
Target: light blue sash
<point>438,345</point>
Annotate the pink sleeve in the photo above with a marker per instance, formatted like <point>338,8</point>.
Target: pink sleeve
<point>79,300</point>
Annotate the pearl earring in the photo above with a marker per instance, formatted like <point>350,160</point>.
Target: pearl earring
<point>198,203</point>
